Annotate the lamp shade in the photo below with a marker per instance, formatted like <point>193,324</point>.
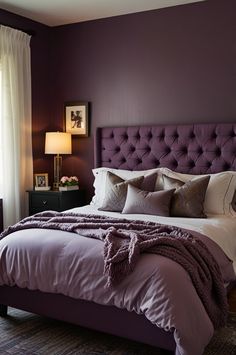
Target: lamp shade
<point>58,143</point>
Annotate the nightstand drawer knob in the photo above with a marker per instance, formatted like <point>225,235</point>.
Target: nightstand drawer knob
<point>45,202</point>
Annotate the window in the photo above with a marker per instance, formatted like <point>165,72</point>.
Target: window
<point>15,123</point>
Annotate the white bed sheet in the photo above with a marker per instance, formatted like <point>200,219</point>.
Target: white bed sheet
<point>219,228</point>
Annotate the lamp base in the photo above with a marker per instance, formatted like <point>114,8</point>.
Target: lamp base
<point>56,186</point>
<point>57,171</point>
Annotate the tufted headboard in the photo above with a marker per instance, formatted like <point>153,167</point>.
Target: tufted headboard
<point>196,148</point>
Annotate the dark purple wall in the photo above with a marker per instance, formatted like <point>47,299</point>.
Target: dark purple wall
<point>174,65</point>
<point>41,91</point>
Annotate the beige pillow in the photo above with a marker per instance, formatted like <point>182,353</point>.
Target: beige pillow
<point>188,198</point>
<point>155,203</point>
<point>116,191</point>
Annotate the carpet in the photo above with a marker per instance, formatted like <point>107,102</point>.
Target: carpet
<point>26,333</point>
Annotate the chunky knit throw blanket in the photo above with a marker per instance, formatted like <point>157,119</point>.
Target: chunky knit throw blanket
<point>125,240</point>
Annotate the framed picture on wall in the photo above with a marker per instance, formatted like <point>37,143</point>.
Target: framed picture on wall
<point>76,118</point>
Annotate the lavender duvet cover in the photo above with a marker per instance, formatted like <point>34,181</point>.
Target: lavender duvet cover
<point>57,261</point>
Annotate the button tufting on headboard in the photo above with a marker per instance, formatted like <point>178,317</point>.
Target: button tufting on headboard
<point>198,149</point>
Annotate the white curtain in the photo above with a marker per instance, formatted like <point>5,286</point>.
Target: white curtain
<point>16,164</point>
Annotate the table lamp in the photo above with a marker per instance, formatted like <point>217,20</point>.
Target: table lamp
<point>57,143</point>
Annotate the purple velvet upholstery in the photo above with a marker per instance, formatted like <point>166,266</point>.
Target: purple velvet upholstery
<point>195,149</point>
<point>88,314</point>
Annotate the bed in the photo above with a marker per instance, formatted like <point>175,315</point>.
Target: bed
<point>181,150</point>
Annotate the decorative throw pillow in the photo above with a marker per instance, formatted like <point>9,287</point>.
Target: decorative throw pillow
<point>220,191</point>
<point>188,198</point>
<point>116,191</point>
<point>156,203</point>
<point>100,178</point>
<point>149,182</point>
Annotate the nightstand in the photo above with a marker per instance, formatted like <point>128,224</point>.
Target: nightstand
<point>55,200</point>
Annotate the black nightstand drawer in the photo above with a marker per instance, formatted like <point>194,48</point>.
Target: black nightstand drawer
<point>55,200</point>
<point>44,201</point>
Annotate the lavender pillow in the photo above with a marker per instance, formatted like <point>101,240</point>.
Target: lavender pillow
<point>116,191</point>
<point>188,198</point>
<point>156,203</point>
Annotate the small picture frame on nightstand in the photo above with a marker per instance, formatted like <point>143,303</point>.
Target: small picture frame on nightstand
<point>41,182</point>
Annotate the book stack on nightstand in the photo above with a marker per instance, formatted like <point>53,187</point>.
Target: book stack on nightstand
<point>55,200</point>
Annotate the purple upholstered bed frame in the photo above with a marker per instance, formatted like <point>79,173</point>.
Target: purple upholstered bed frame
<point>196,149</point>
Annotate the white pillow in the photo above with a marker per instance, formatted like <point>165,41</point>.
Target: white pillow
<point>100,180</point>
<point>220,190</point>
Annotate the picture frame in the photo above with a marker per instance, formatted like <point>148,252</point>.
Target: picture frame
<point>76,118</point>
<point>41,180</point>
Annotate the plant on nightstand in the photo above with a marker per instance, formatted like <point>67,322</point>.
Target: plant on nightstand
<point>69,183</point>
